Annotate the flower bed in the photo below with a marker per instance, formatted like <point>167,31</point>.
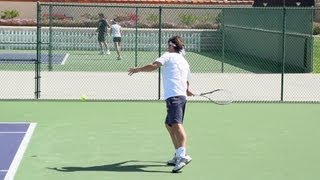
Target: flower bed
<point>18,22</point>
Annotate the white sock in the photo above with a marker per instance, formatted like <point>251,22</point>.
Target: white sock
<point>181,152</point>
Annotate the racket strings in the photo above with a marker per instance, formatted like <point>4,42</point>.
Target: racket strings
<point>220,96</point>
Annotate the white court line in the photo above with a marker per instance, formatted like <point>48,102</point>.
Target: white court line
<point>2,170</point>
<point>65,59</point>
<point>14,122</point>
<point>22,148</point>
<point>11,132</point>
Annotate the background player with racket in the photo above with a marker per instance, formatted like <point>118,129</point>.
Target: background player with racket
<point>175,75</point>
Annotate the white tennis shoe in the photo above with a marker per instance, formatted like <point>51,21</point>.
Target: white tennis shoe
<point>181,163</point>
<point>173,161</point>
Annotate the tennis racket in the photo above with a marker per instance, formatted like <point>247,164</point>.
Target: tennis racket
<point>218,96</point>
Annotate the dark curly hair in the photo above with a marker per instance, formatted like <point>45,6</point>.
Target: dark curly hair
<point>177,43</point>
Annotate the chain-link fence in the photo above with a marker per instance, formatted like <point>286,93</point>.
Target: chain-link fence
<point>258,53</point>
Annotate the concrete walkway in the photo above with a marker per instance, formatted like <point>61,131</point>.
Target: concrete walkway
<point>145,86</point>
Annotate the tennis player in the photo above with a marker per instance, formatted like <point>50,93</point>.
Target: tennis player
<point>103,26</point>
<point>176,75</point>
<point>116,35</point>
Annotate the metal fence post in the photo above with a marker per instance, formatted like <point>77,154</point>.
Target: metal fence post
<point>136,41</point>
<point>283,51</point>
<point>38,60</point>
<point>223,41</point>
<point>159,50</point>
<point>50,38</point>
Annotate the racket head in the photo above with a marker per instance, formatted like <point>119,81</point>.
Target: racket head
<point>218,96</point>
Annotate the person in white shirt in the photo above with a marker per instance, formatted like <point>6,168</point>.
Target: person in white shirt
<point>116,35</point>
<point>175,74</point>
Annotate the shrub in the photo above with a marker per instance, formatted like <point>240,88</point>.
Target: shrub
<point>121,18</point>
<point>206,26</point>
<point>88,16</point>
<point>9,14</point>
<point>70,23</point>
<point>154,25</point>
<point>218,18</point>
<point>207,18</point>
<point>168,25</point>
<point>87,24</point>
<point>153,19</point>
<point>143,25</point>
<point>316,28</point>
<point>55,17</point>
<point>188,19</point>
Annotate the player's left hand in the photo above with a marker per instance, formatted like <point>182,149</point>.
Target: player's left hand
<point>132,71</point>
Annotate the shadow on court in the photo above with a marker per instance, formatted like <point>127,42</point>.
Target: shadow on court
<point>125,166</point>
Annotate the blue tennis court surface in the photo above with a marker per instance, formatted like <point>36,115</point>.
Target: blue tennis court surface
<point>14,138</point>
<point>28,58</point>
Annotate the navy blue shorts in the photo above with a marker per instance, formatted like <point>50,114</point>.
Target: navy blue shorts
<point>117,39</point>
<point>175,109</point>
<point>101,37</point>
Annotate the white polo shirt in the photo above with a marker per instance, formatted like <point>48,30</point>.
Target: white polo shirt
<point>116,30</point>
<point>175,74</point>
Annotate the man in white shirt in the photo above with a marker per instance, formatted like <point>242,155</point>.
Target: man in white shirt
<point>116,35</point>
<point>175,75</point>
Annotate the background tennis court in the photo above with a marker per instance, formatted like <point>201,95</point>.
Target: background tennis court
<point>90,61</point>
<point>239,141</point>
<point>30,58</point>
<point>259,53</point>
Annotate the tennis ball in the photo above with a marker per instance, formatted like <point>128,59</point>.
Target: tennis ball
<point>83,97</point>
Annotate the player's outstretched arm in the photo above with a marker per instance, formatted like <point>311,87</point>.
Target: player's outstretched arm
<point>147,68</point>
